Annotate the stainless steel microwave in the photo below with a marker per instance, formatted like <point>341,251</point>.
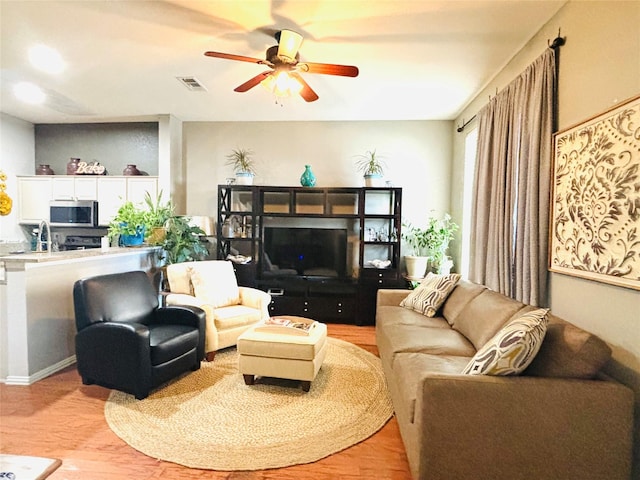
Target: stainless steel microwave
<point>73,213</point>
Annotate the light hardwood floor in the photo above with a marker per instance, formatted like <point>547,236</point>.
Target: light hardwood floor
<point>59,417</point>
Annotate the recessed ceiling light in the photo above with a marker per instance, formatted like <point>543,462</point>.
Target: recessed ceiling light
<point>29,93</point>
<point>46,59</point>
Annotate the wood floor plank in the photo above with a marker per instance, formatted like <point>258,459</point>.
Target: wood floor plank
<point>59,417</point>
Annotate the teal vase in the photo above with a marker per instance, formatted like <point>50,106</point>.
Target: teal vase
<point>308,179</point>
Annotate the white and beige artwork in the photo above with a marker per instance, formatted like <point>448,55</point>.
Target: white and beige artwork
<point>595,217</point>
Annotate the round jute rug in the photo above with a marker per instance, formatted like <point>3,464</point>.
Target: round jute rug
<point>210,419</point>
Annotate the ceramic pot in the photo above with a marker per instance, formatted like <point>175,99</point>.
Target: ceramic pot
<point>308,179</point>
<point>375,180</point>
<point>416,267</point>
<point>133,240</point>
<point>244,178</point>
<point>131,170</point>
<point>44,170</point>
<point>72,166</point>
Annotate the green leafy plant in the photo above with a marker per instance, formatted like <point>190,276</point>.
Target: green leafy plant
<point>432,241</point>
<point>241,160</point>
<point>182,242</point>
<point>370,163</point>
<point>158,212</point>
<point>130,220</point>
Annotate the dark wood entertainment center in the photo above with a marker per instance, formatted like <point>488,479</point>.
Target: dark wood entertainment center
<point>371,217</point>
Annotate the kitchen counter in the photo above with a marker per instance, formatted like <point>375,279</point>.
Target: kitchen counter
<point>40,257</point>
<point>37,318</point>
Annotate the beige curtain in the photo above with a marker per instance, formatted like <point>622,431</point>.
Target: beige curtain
<point>509,226</point>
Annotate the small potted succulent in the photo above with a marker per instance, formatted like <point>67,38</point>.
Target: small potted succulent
<point>372,167</point>
<point>243,165</point>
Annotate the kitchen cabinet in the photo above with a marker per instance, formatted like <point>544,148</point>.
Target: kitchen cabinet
<point>35,192</point>
<point>74,188</point>
<point>112,193</point>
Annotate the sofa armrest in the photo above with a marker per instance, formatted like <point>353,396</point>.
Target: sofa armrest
<point>523,427</point>
<point>252,297</point>
<point>190,300</point>
<point>391,297</point>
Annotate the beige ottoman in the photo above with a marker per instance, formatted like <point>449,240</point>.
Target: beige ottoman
<point>266,352</point>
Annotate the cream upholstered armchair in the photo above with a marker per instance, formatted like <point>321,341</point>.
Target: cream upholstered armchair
<point>212,286</point>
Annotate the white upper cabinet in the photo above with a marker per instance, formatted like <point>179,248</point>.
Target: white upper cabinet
<point>35,193</point>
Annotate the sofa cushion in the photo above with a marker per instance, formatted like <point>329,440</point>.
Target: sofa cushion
<point>394,316</point>
<point>513,348</point>
<point>215,283</point>
<point>459,298</point>
<point>429,296</point>
<point>417,339</point>
<point>569,352</point>
<point>410,370</point>
<point>484,315</point>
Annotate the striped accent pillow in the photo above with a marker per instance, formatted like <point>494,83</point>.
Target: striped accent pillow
<point>429,296</point>
<point>513,348</point>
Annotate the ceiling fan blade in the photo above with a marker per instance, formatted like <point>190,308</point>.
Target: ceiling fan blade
<point>329,69</point>
<point>252,82</point>
<point>230,56</point>
<point>306,92</point>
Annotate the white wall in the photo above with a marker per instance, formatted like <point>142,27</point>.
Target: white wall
<point>417,154</point>
<point>599,67</point>
<point>17,157</point>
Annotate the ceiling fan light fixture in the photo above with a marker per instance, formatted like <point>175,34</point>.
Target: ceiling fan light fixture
<point>289,44</point>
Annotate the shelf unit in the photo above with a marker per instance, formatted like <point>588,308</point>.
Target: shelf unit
<point>372,217</point>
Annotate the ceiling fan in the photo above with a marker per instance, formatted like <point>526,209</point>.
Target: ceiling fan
<point>284,61</point>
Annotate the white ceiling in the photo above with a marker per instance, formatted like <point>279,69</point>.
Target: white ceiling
<point>417,59</point>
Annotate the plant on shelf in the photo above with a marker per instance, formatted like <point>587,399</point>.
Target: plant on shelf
<point>182,242</point>
<point>372,167</point>
<point>429,244</point>
<point>130,224</point>
<point>243,165</point>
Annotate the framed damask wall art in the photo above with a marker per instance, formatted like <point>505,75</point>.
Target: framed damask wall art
<point>595,207</point>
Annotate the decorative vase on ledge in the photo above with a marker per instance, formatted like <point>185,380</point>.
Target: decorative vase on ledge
<point>131,170</point>
<point>72,166</point>
<point>44,170</point>
<point>308,179</point>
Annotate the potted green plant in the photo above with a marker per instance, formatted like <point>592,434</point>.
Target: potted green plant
<point>372,167</point>
<point>182,242</point>
<point>428,244</point>
<point>243,165</point>
<point>158,213</point>
<point>130,224</point>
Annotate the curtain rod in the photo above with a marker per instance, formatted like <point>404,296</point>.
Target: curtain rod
<point>555,45</point>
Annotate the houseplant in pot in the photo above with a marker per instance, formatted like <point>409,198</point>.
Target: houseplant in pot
<point>158,214</point>
<point>428,244</point>
<point>129,224</point>
<point>243,165</point>
<point>372,167</point>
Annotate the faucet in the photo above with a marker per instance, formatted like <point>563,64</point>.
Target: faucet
<point>43,224</point>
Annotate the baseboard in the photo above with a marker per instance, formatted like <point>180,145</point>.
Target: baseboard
<point>22,380</point>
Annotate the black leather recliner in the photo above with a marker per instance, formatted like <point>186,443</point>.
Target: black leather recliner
<point>126,341</point>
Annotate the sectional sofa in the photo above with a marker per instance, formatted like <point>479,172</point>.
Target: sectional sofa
<point>561,418</point>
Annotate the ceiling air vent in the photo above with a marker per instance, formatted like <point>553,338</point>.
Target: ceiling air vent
<point>192,84</point>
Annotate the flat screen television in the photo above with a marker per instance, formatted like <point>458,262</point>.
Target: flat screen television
<point>310,252</point>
